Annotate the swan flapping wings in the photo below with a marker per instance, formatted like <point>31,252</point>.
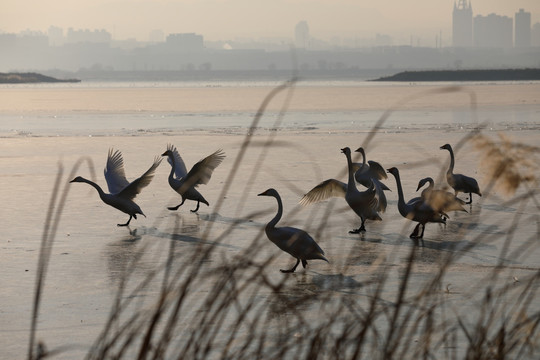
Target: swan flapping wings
<point>325,190</point>
<point>116,177</point>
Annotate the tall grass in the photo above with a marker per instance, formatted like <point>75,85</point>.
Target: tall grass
<point>245,314</point>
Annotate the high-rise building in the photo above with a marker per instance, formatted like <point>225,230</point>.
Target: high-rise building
<point>185,41</point>
<point>522,29</point>
<point>535,35</point>
<point>462,24</point>
<point>301,35</point>
<point>493,31</point>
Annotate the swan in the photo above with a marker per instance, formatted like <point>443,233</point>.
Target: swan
<point>185,183</point>
<point>372,172</point>
<point>416,209</point>
<point>121,191</point>
<point>459,182</point>
<point>364,203</point>
<point>298,243</point>
<point>440,200</point>
<point>366,172</point>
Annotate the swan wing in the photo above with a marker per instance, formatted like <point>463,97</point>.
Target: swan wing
<point>138,184</point>
<point>376,170</point>
<point>114,172</point>
<point>441,200</point>
<point>177,162</point>
<point>327,189</point>
<point>380,196</point>
<point>358,167</point>
<point>202,171</point>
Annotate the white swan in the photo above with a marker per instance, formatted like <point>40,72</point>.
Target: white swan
<point>298,243</point>
<point>121,191</point>
<point>440,200</point>
<point>416,209</point>
<point>459,182</point>
<point>185,183</point>
<point>364,203</point>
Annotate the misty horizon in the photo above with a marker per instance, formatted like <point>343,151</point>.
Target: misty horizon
<point>330,21</point>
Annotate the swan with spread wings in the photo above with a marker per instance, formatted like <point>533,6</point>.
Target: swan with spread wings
<point>121,191</point>
<point>185,183</point>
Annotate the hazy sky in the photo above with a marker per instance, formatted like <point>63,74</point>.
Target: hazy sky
<point>229,19</point>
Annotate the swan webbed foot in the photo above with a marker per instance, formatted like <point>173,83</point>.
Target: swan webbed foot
<point>126,224</point>
<point>287,271</point>
<point>174,208</point>
<point>197,208</point>
<point>293,268</point>
<point>414,234</point>
<point>358,231</point>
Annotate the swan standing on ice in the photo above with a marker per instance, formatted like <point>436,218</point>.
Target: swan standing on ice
<point>416,209</point>
<point>459,182</point>
<point>185,183</point>
<point>121,191</point>
<point>364,203</point>
<point>298,243</point>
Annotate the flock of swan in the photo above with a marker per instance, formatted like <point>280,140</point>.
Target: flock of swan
<point>432,206</point>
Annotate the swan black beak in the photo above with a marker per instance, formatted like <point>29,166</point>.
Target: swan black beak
<point>343,150</point>
<point>262,194</point>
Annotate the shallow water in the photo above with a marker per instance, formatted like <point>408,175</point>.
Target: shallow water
<point>91,254</point>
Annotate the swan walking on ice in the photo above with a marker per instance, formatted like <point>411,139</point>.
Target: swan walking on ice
<point>416,209</point>
<point>364,203</point>
<point>122,192</point>
<point>298,243</point>
<point>459,182</point>
<point>184,182</point>
<point>440,200</point>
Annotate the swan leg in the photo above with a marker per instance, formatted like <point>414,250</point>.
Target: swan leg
<point>470,199</point>
<point>414,234</point>
<point>197,208</point>
<point>173,208</point>
<point>293,268</point>
<point>423,228</point>
<point>126,224</point>
<point>304,263</point>
<point>362,228</point>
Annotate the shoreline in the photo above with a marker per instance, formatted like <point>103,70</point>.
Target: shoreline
<point>465,75</point>
<point>31,78</point>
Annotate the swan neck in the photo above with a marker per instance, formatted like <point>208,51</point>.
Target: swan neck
<point>276,218</point>
<point>451,167</point>
<point>95,186</point>
<point>401,198</point>
<point>171,174</point>
<point>351,182</point>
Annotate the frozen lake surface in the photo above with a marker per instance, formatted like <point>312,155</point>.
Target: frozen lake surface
<point>48,128</point>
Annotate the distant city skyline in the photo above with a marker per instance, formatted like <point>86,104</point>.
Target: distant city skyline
<point>252,19</point>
